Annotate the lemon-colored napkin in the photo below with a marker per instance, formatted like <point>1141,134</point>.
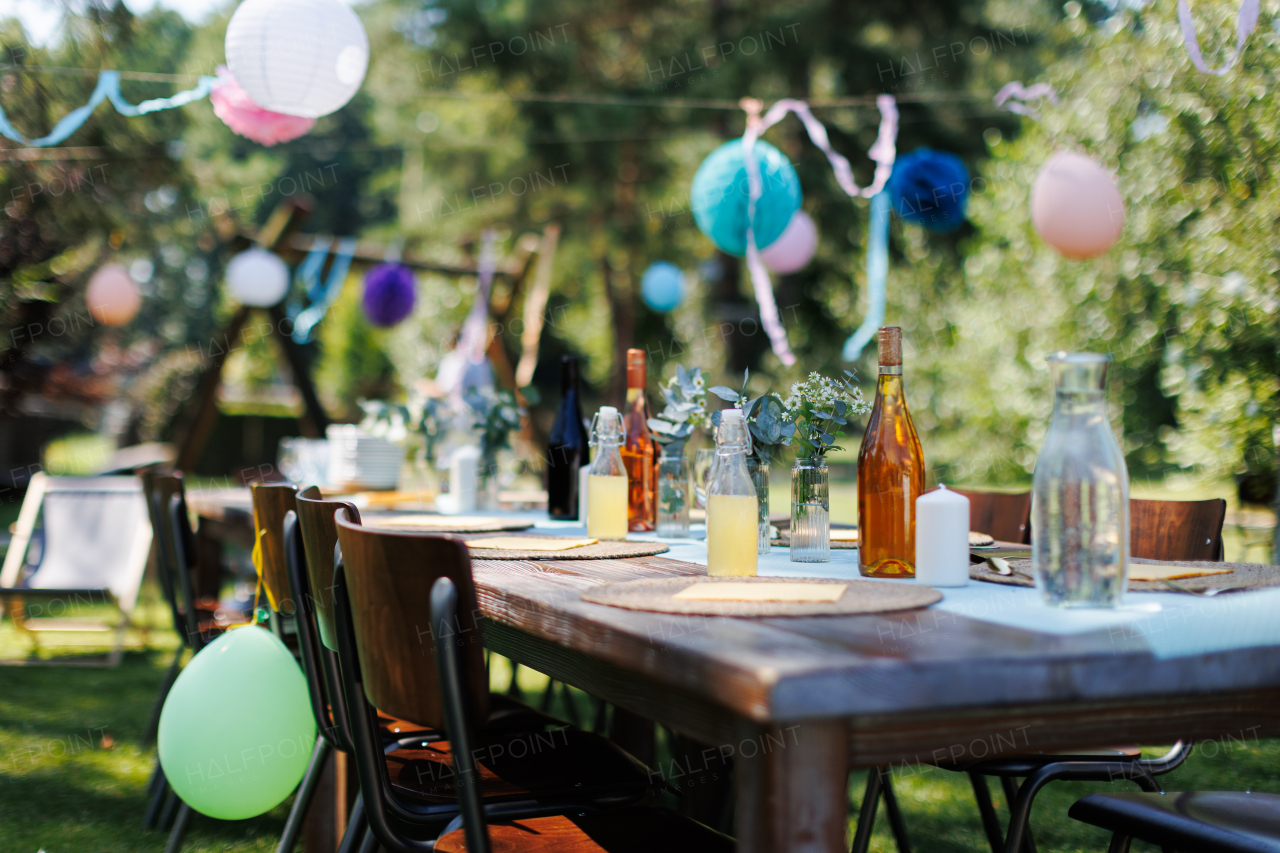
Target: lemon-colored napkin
<point>528,543</point>
<point>844,535</point>
<point>747,591</point>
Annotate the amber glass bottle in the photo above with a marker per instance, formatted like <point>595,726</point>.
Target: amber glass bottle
<point>638,451</point>
<point>890,473</point>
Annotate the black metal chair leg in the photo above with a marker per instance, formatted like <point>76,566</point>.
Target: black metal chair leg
<point>1119,843</point>
<point>896,823</point>
<point>171,803</point>
<point>1011,794</point>
<point>302,800</point>
<point>370,844</point>
<point>153,724</point>
<point>513,689</point>
<point>179,829</point>
<point>156,789</point>
<point>356,827</point>
<point>867,813</point>
<point>990,823</point>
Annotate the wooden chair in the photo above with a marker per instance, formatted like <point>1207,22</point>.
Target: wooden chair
<point>1158,530</point>
<point>554,796</point>
<point>1177,530</point>
<point>1004,517</point>
<point>271,502</point>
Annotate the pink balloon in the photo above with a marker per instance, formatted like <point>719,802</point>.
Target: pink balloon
<point>112,296</point>
<point>233,105</point>
<point>794,248</point>
<point>1076,206</point>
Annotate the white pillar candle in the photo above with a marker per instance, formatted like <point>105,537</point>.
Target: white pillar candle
<point>583,473</point>
<point>942,538</point>
<point>464,478</point>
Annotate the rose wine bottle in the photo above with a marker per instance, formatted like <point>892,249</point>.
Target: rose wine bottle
<point>567,449</point>
<point>890,473</point>
<point>638,450</point>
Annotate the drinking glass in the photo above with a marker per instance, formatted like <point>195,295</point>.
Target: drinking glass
<point>703,462</point>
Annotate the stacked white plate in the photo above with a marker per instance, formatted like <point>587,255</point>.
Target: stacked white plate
<point>362,461</point>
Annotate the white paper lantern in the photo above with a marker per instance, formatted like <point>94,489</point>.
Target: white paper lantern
<point>257,277</point>
<point>299,57</point>
<point>112,296</point>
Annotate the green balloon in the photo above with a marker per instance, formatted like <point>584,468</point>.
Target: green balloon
<point>237,729</point>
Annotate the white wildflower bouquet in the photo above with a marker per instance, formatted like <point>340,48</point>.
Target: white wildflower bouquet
<point>821,408</point>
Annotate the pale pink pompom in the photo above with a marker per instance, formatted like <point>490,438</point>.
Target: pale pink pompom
<point>238,111</point>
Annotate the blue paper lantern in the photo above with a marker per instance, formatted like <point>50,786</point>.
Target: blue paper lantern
<point>662,286</point>
<point>389,294</point>
<point>720,192</point>
<point>931,189</point>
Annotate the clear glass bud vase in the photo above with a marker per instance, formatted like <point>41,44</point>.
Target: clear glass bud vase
<point>810,511</point>
<point>674,492</point>
<point>1080,492</point>
<point>759,472</point>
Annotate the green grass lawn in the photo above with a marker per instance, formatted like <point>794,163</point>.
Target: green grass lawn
<point>73,774</point>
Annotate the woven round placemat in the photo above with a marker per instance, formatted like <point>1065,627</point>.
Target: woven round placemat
<point>598,551</point>
<point>417,522</point>
<point>655,594</point>
<point>1242,576</point>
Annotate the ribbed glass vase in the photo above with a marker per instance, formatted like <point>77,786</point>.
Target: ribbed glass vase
<point>810,511</point>
<point>759,472</point>
<point>674,492</point>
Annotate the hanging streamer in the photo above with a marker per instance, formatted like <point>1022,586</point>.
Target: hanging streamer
<point>883,152</point>
<point>473,340</point>
<point>877,272</point>
<point>1015,97</point>
<point>1246,20</point>
<point>108,89</point>
<point>322,298</point>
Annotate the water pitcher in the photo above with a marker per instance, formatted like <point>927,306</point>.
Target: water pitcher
<point>1080,503</point>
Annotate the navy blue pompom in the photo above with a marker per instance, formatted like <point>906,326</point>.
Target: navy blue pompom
<point>389,294</point>
<point>931,189</point>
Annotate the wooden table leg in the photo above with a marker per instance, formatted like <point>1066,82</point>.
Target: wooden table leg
<point>792,785</point>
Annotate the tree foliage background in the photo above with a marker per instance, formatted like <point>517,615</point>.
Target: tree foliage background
<point>434,149</point>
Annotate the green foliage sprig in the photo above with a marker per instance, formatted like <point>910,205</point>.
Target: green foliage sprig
<point>685,409</point>
<point>422,416</point>
<point>494,415</point>
<point>771,426</point>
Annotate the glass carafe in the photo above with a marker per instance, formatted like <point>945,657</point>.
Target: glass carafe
<point>732,508</point>
<point>1080,498</point>
<point>607,478</point>
<point>674,493</point>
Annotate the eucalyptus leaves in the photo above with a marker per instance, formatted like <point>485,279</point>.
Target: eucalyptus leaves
<point>770,425</point>
<point>494,415</point>
<point>685,396</point>
<point>422,416</point>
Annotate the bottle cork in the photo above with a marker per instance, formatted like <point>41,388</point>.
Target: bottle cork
<point>891,346</point>
<point>637,374</point>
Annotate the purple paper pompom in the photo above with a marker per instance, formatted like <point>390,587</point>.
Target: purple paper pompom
<point>388,294</point>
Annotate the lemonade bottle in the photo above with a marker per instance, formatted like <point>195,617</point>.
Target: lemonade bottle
<point>607,479</point>
<point>732,509</point>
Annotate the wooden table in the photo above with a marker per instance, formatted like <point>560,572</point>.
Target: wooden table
<point>798,702</point>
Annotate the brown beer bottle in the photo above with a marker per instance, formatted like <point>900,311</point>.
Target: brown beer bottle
<point>890,473</point>
<point>638,451</point>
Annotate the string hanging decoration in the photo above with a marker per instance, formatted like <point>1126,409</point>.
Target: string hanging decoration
<point>389,294</point>
<point>320,295</point>
<point>931,189</point>
<point>112,296</point>
<point>257,278</point>
<point>883,152</point>
<point>1246,21</point>
<point>795,248</point>
<point>107,89</point>
<point>662,286</point>
<point>232,104</point>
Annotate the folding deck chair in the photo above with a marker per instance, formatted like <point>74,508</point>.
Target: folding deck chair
<point>96,542</point>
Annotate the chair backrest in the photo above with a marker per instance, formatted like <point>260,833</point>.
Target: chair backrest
<point>1005,517</point>
<point>175,548</point>
<point>96,536</point>
<point>271,502</point>
<point>389,577</point>
<point>1177,530</point>
<point>319,536</point>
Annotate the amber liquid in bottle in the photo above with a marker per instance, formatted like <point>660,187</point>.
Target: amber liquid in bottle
<point>890,473</point>
<point>638,451</point>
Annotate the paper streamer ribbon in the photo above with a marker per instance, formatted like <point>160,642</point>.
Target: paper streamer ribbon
<point>1014,97</point>
<point>322,298</point>
<point>877,272</point>
<point>108,89</point>
<point>1246,20</point>
<point>473,340</point>
<point>883,152</point>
